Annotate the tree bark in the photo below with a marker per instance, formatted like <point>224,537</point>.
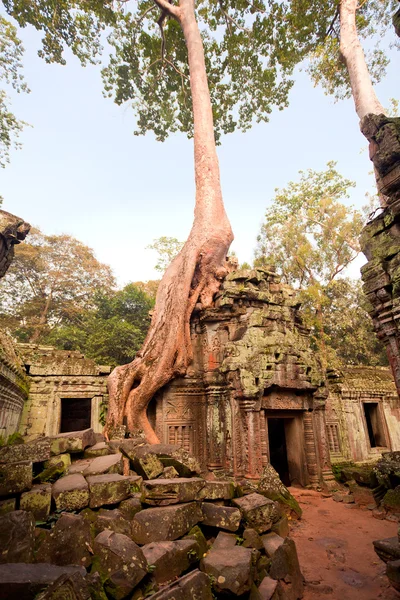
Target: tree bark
<point>194,275</point>
<point>42,320</point>
<point>364,96</point>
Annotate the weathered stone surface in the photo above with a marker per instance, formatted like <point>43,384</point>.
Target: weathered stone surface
<point>393,573</point>
<point>285,566</point>
<point>169,455</point>
<point>67,587</point>
<point>170,559</point>
<point>251,539</point>
<point>271,542</point>
<point>197,535</point>
<point>54,468</point>
<point>272,487</point>
<point>217,490</point>
<point>267,590</point>
<point>120,563</point>
<point>387,549</point>
<point>258,512</point>
<point>161,492</point>
<point>224,517</point>
<point>37,501</point>
<point>67,543</point>
<point>73,441</point>
<point>108,489</point>
<point>104,464</point>
<point>35,451</point>
<point>193,586</point>
<point>16,537</point>
<point>24,581</point>
<point>135,483</point>
<point>80,466</point>
<point>113,520</point>
<point>143,459</point>
<point>391,500</point>
<point>224,541</point>
<point>99,449</point>
<point>7,506</point>
<point>231,569</point>
<point>363,475</point>
<point>170,473</point>
<point>15,478</point>
<point>281,527</point>
<point>362,495</point>
<point>165,523</point>
<point>130,507</point>
<point>70,492</point>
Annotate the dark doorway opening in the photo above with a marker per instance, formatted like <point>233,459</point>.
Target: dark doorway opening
<point>75,414</point>
<point>277,449</point>
<point>374,424</point>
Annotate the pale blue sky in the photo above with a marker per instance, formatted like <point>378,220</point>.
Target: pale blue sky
<point>82,171</point>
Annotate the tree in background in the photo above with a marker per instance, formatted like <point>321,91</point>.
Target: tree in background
<point>167,248</point>
<point>312,237</point>
<point>52,279</point>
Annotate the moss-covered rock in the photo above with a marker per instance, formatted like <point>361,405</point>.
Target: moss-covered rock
<point>37,501</point>
<point>272,487</point>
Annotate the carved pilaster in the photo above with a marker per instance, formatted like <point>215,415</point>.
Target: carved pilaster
<point>311,451</point>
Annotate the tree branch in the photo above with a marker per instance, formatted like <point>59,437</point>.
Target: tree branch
<point>168,8</point>
<point>231,20</point>
<point>331,26</point>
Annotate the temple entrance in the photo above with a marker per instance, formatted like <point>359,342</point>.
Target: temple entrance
<point>75,414</point>
<point>278,449</point>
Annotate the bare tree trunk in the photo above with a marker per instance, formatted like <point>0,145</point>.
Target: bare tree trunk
<point>364,96</point>
<point>193,276</point>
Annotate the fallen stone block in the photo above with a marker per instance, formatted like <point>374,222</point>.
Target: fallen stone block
<point>170,473</point>
<point>362,495</point>
<point>108,489</point>
<point>224,541</point>
<point>136,483</point>
<point>130,507</point>
<point>391,500</point>
<point>120,563</point>
<point>7,506</point>
<point>72,442</point>
<point>271,542</point>
<point>37,501</point>
<point>393,573</point>
<point>67,543</point>
<point>251,539</point>
<point>170,559</point>
<point>144,461</point>
<point>70,492</point>
<point>271,486</point>
<point>197,535</point>
<point>169,456</point>
<point>101,465</point>
<point>36,451</point>
<point>230,569</point>
<point>17,531</point>
<point>161,492</point>
<point>24,581</point>
<point>258,511</point>
<point>113,520</point>
<point>71,586</point>
<point>285,567</point>
<point>267,590</point>
<point>224,517</point>
<point>15,478</point>
<point>281,527</point>
<point>217,490</point>
<point>387,549</point>
<point>99,449</point>
<point>165,523</point>
<point>193,586</point>
<point>54,468</point>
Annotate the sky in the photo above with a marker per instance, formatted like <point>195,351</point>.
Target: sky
<point>81,171</point>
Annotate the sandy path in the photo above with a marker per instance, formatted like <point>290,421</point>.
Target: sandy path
<point>334,544</point>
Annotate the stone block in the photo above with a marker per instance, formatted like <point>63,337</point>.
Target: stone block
<point>36,451</point>
<point>37,501</point>
<point>161,492</point>
<point>170,473</point>
<point>108,489</point>
<point>113,520</point>
<point>165,523</point>
<point>197,535</point>
<point>217,490</point>
<point>144,461</point>
<point>72,441</point>
<point>391,500</point>
<point>170,559</point>
<point>168,454</point>
<point>285,567</point>
<point>230,569</point>
<point>17,530</point>
<point>251,539</point>
<point>15,478</point>
<point>224,541</point>
<point>99,449</point>
<point>71,586</point>
<point>193,586</point>
<point>24,581</point>
<point>104,464</point>
<point>70,492</point>
<point>281,527</point>
<point>120,563</point>
<point>224,517</point>
<point>258,511</point>
<point>7,506</point>
<point>267,590</point>
<point>271,542</point>
<point>387,549</point>
<point>67,543</point>
<point>54,468</point>
<point>79,466</point>
<point>130,507</point>
<point>393,573</point>
<point>136,483</point>
<point>272,487</point>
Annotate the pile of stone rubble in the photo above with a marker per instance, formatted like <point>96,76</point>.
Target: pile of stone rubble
<point>81,518</point>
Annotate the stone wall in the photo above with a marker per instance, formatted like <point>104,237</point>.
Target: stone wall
<point>57,378</point>
<point>13,382</point>
<point>362,414</point>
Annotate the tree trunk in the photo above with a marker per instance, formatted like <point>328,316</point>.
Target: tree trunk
<point>193,276</point>
<point>364,96</point>
<point>42,321</point>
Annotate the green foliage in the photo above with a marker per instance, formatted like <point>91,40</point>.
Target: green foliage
<point>167,248</point>
<point>11,52</point>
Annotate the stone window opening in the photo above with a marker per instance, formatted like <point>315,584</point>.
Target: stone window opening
<point>374,423</point>
<point>333,438</point>
<point>75,414</point>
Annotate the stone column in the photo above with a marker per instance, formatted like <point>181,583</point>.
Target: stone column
<point>311,451</point>
<point>214,429</point>
<point>325,466</point>
<point>251,411</point>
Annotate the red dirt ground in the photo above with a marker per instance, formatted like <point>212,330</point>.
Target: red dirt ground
<point>334,545</point>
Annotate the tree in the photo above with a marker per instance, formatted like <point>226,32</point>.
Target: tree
<point>51,280</point>
<point>312,237</point>
<point>11,51</point>
<point>167,248</point>
<point>112,330</point>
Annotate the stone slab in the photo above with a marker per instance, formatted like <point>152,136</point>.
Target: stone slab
<point>35,451</point>
<point>8,505</point>
<point>193,586</point>
<point>285,568</point>
<point>37,501</point>
<point>17,531</point>
<point>15,478</point>
<point>271,542</point>
<point>71,586</point>
<point>217,490</point>
<point>231,569</point>
<point>223,517</point>
<point>100,465</point>
<point>258,511</point>
<point>165,523</point>
<point>108,489</point>
<point>170,559</point>
<point>72,442</point>
<point>162,492</point>
<point>67,543</point>
<point>71,492</point>
<point>99,449</point>
<point>24,581</point>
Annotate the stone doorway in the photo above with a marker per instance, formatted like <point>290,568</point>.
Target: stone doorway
<point>286,446</point>
<point>278,449</point>
<point>75,414</point>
